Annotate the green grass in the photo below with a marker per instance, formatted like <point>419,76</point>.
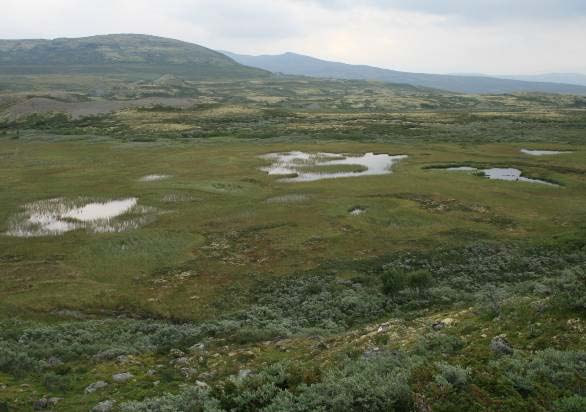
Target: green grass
<point>270,274</point>
<point>224,228</point>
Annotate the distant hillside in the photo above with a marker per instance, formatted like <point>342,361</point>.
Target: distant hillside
<point>567,78</point>
<point>296,64</point>
<point>126,54</point>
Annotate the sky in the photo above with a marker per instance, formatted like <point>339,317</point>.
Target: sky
<point>435,36</point>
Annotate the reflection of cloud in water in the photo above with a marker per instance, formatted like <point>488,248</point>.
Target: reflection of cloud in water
<point>57,216</point>
<point>541,152</point>
<point>295,165</point>
<point>509,174</point>
<point>153,178</point>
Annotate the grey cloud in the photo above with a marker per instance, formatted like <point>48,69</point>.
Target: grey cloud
<point>477,10</point>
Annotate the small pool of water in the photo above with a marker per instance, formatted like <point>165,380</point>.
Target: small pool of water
<point>290,198</point>
<point>153,178</point>
<point>57,216</point>
<point>301,166</point>
<point>508,174</point>
<point>357,211</point>
<point>541,152</point>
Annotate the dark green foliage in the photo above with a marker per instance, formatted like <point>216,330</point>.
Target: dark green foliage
<point>574,403</point>
<point>377,385</point>
<point>561,369</point>
<point>438,343</point>
<point>295,306</point>
<point>393,281</point>
<point>54,382</point>
<point>569,289</point>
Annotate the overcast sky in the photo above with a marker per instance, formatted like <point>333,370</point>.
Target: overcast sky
<point>441,36</point>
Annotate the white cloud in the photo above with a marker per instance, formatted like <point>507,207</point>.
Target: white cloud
<point>432,36</point>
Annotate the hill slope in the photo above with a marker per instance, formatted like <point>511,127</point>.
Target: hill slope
<point>296,64</point>
<point>134,54</point>
<point>568,78</point>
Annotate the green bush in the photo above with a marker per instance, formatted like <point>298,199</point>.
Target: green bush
<point>378,384</point>
<point>438,343</point>
<point>192,400</point>
<point>54,382</point>
<point>569,289</point>
<point>560,369</point>
<point>450,375</point>
<point>393,281</point>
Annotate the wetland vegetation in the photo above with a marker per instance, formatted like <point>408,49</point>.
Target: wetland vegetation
<point>187,254</point>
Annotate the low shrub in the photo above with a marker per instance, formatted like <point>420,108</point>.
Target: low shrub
<point>450,375</point>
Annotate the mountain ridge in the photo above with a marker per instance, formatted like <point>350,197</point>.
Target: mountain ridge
<point>298,64</point>
<point>117,54</point>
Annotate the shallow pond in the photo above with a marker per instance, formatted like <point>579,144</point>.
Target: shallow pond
<point>495,173</point>
<point>305,167</point>
<point>290,198</point>
<point>357,211</point>
<point>153,178</point>
<point>541,152</point>
<point>56,216</point>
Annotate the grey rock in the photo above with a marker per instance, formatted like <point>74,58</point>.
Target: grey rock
<point>500,345</point>
<point>439,325</point>
<point>384,327</point>
<point>198,347</point>
<point>41,404</point>
<point>105,406</point>
<point>54,361</point>
<point>372,353</point>
<point>123,359</point>
<point>122,377</point>
<point>243,373</point>
<point>151,372</point>
<point>95,386</point>
<point>206,375</point>
<point>54,401</point>
<point>202,385</point>
<point>188,373</point>
<point>183,361</point>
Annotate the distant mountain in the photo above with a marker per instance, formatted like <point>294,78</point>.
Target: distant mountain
<point>567,78</point>
<point>126,54</point>
<point>297,64</point>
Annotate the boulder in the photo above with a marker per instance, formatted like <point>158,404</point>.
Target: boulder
<point>188,373</point>
<point>104,406</point>
<point>95,386</point>
<point>54,361</point>
<point>54,401</point>
<point>202,385</point>
<point>500,345</point>
<point>183,361</point>
<point>41,404</point>
<point>243,373</point>
<point>198,347</point>
<point>122,377</point>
